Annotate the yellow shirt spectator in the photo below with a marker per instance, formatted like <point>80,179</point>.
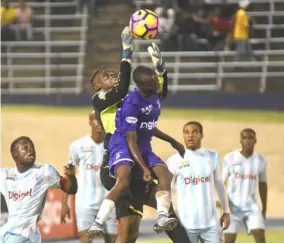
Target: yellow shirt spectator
<point>8,15</point>
<point>241,25</point>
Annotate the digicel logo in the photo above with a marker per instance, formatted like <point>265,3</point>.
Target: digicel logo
<point>95,167</point>
<point>16,196</point>
<point>197,180</point>
<point>245,176</point>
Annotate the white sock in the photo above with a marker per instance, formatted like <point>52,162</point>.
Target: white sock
<point>163,199</point>
<point>104,211</point>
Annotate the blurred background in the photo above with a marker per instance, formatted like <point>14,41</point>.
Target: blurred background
<point>49,49</point>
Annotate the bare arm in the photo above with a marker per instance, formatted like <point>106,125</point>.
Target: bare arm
<point>263,192</point>
<point>165,137</point>
<point>69,181</point>
<point>132,144</point>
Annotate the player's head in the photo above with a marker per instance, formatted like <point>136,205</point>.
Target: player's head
<point>23,151</point>
<point>146,80</point>
<point>103,79</point>
<point>244,4</point>
<point>97,131</point>
<point>248,140</point>
<point>192,135</point>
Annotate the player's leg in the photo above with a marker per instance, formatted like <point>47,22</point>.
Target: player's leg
<point>230,235</point>
<point>163,194</point>
<point>128,229</point>
<point>212,234</point>
<point>178,234</point>
<point>84,219</point>
<point>111,229</point>
<point>82,236</point>
<point>120,164</point>
<point>13,238</point>
<point>255,225</point>
<point>107,181</point>
<point>129,213</point>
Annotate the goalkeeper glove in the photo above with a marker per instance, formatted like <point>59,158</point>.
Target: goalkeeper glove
<point>126,39</point>
<point>156,57</point>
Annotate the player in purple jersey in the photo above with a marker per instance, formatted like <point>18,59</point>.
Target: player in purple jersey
<point>135,122</point>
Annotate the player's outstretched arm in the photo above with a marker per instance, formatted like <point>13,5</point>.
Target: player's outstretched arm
<point>133,147</point>
<point>104,99</point>
<point>159,66</point>
<point>69,181</point>
<point>175,144</point>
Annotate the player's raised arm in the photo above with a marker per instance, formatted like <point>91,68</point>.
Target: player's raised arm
<point>159,65</point>
<point>111,90</point>
<point>165,137</point>
<point>69,181</point>
<point>262,187</point>
<point>73,160</point>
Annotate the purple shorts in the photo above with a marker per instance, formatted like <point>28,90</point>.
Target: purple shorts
<point>120,155</point>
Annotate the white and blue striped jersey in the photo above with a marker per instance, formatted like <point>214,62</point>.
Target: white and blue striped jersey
<point>87,155</point>
<point>242,176</point>
<point>25,195</point>
<point>194,177</point>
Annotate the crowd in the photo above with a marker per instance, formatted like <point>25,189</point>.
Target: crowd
<point>194,25</point>
<point>16,22</point>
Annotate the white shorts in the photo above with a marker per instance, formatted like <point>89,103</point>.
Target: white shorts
<point>247,222</point>
<point>209,235</point>
<point>85,217</point>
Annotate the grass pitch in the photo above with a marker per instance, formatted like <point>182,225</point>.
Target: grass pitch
<point>271,237</point>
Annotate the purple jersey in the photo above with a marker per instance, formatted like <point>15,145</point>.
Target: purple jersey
<point>139,114</point>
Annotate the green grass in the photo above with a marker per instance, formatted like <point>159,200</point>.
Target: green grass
<point>271,236</point>
<point>189,114</point>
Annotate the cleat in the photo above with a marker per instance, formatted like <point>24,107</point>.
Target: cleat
<point>165,223</point>
<point>96,231</point>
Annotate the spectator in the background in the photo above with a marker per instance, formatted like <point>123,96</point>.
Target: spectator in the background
<point>87,6</point>
<point>241,32</point>
<point>8,17</point>
<point>166,26</point>
<point>24,21</point>
<point>220,30</point>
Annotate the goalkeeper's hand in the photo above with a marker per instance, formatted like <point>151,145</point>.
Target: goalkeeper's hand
<point>156,57</point>
<point>126,40</point>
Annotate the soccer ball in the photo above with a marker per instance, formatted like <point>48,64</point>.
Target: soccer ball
<point>144,24</point>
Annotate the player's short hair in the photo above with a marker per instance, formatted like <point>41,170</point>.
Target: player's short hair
<point>249,130</point>
<point>97,71</point>
<point>19,140</point>
<point>199,125</point>
<point>143,74</point>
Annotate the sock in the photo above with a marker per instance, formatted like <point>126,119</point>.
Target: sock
<point>104,211</point>
<point>163,199</point>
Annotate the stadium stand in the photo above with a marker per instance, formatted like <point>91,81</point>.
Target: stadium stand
<point>67,47</point>
<point>53,62</point>
<point>216,70</point>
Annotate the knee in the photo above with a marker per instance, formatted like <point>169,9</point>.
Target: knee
<point>166,179</point>
<point>258,235</point>
<point>122,183</point>
<point>230,238</point>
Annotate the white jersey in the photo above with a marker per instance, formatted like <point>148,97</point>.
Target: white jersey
<point>242,175</point>
<point>88,157</point>
<point>25,195</point>
<point>194,177</point>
